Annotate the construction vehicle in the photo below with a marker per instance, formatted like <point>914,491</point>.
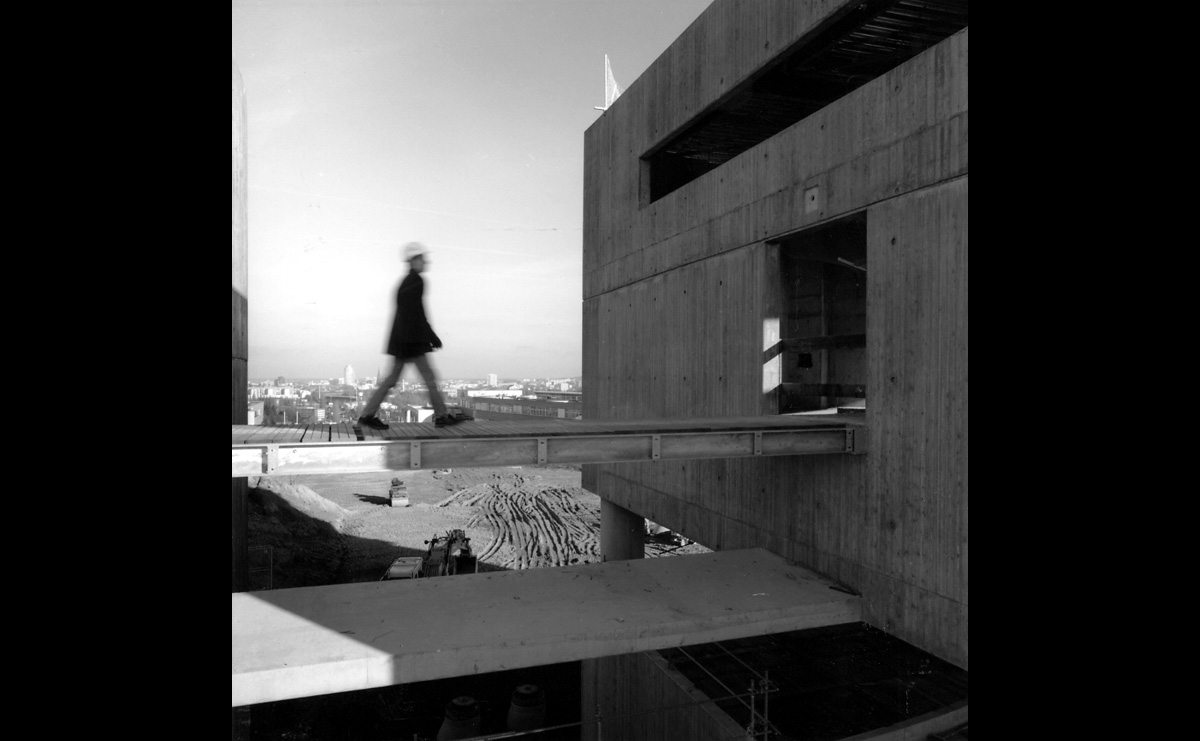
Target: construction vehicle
<point>447,555</point>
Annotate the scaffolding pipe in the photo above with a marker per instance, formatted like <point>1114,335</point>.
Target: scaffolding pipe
<point>766,685</point>
<point>752,726</point>
<point>714,677</point>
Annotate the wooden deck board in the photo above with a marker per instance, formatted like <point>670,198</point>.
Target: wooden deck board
<point>248,434</point>
<point>294,434</point>
<point>292,643</point>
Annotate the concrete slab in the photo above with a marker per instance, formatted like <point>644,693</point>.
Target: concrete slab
<point>293,643</point>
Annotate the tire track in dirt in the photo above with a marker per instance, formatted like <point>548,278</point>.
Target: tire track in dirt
<point>519,524</point>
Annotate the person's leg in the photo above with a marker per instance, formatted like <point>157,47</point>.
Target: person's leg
<point>381,391</point>
<point>435,396</point>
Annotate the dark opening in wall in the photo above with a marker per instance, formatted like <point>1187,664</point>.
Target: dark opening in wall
<point>824,330</point>
<point>859,43</point>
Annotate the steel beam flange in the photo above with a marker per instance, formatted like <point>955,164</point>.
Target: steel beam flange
<point>270,458</point>
<point>856,441</point>
<point>655,446</point>
<point>758,443</point>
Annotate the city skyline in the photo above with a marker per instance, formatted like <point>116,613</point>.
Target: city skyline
<point>414,381</point>
<point>457,124</point>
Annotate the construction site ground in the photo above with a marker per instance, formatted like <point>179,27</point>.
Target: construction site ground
<point>334,529</point>
<point>340,528</point>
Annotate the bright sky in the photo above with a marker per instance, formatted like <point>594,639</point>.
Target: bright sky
<point>456,123</point>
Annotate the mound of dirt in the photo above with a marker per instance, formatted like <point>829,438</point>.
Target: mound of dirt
<point>302,498</point>
<point>294,540</point>
<point>342,528</point>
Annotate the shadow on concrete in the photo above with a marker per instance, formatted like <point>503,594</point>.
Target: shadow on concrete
<point>309,550</point>
<point>404,711</point>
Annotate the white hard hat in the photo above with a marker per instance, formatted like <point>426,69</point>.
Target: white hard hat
<point>414,249</point>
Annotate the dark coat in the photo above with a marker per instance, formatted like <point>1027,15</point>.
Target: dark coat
<point>411,333</point>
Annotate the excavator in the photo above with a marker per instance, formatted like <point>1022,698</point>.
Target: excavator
<point>447,555</point>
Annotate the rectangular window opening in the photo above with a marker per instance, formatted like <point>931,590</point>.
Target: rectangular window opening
<point>861,42</point>
<point>824,328</point>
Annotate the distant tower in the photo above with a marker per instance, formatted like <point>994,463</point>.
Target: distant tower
<point>493,380</point>
<point>350,380</point>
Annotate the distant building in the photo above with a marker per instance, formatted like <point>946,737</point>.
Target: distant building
<point>576,396</point>
<point>416,414</point>
<point>493,380</point>
<point>341,406</point>
<point>350,378</point>
<point>276,392</point>
<point>306,414</point>
<point>491,393</point>
<point>491,404</point>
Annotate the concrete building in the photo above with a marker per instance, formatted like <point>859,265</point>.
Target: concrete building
<point>775,221</point>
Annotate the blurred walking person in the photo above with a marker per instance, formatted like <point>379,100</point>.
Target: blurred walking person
<point>410,342</point>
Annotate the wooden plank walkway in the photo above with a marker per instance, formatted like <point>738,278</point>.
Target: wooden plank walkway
<point>261,450</point>
<point>292,643</point>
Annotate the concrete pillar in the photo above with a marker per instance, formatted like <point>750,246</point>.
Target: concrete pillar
<point>241,574</point>
<point>621,539</point>
<point>621,532</point>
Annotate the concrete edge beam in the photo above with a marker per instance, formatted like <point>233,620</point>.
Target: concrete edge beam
<point>292,643</point>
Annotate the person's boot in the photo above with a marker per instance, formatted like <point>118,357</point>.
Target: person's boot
<point>373,422</point>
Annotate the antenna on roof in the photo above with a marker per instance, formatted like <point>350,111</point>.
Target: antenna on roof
<point>612,91</point>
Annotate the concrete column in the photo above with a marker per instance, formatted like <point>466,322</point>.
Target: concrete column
<point>621,532</point>
<point>621,539</point>
<point>241,576</point>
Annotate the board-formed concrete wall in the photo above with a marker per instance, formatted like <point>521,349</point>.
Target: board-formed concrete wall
<point>641,696</point>
<point>683,295</point>
<point>240,270</point>
<point>240,337</point>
